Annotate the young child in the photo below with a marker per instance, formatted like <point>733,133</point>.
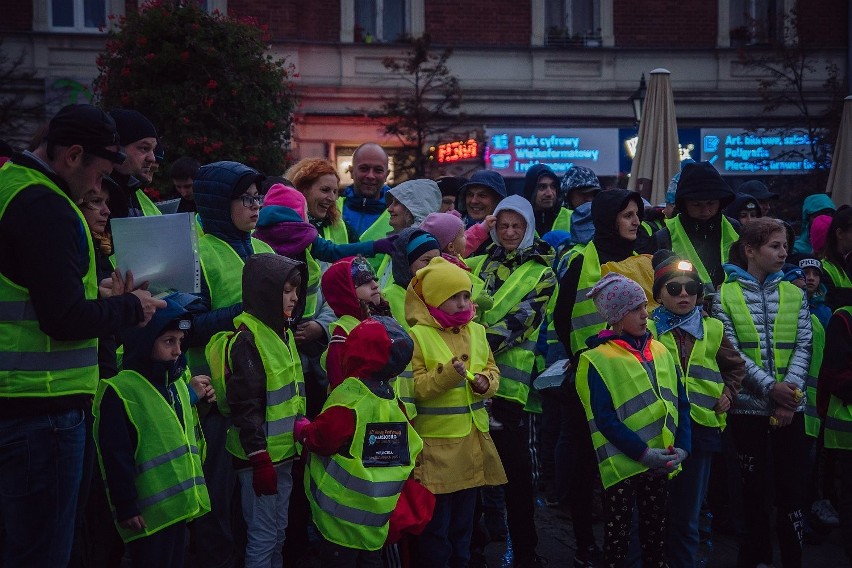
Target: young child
<point>352,290</point>
<point>456,241</point>
<point>815,289</point>
<point>454,373</point>
<point>145,434</point>
<point>712,371</point>
<point>264,395</point>
<point>638,412</point>
<point>362,448</point>
<point>768,321</point>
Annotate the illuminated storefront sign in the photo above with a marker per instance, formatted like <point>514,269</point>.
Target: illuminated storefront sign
<point>512,152</point>
<point>736,151</point>
<point>455,151</point>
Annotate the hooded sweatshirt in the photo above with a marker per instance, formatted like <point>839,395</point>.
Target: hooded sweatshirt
<point>543,219</point>
<point>610,246</point>
<point>264,277</point>
<point>812,205</point>
<point>419,196</point>
<point>118,440</point>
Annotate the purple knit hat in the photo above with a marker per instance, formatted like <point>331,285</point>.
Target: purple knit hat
<point>445,227</point>
<point>616,295</point>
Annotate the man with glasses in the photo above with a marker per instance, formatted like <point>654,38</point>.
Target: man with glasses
<point>50,317</point>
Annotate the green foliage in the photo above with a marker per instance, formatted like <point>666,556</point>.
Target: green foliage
<point>205,80</point>
<point>425,108</point>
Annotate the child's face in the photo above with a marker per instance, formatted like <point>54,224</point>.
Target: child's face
<point>183,187</point>
<point>635,322</point>
<point>289,298</point>
<point>369,292</point>
<point>768,258</point>
<point>448,203</point>
<point>681,302</point>
<point>167,346</point>
<point>458,302</point>
<point>423,260</point>
<point>813,278</point>
<point>245,217</point>
<point>457,245</point>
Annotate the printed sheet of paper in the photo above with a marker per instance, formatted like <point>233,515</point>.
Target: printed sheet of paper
<point>161,249</point>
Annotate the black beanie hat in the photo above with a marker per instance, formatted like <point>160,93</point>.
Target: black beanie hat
<point>701,181</point>
<point>450,185</point>
<point>132,125</point>
<point>668,265</point>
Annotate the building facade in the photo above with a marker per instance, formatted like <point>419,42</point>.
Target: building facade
<point>530,66</point>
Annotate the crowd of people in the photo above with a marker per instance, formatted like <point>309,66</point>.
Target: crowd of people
<point>357,381</point>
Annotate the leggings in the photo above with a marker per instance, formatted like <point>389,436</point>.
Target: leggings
<point>650,494</point>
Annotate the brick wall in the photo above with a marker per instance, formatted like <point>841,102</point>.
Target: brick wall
<point>479,22</point>
<point>824,23</point>
<point>318,20</point>
<point>665,23</point>
<point>17,16</point>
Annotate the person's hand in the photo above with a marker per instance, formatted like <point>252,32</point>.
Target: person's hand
<point>489,222</point>
<point>783,417</point>
<point>307,331</point>
<point>784,395</point>
<point>480,385</point>
<point>202,387</point>
<point>679,454</point>
<point>136,523</point>
<point>385,245</point>
<point>723,404</point>
<point>459,367</point>
<point>150,305</point>
<point>264,478</point>
<point>657,459</point>
<point>299,426</point>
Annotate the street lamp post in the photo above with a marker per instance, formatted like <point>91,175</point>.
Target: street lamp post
<point>637,99</point>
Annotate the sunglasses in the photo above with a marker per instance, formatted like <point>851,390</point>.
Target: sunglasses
<point>674,288</point>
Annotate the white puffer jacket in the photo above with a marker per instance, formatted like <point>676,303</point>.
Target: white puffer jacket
<point>762,302</point>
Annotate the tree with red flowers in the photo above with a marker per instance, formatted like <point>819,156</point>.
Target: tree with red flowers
<point>205,80</point>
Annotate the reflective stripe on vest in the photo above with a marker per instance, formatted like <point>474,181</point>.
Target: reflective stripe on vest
<point>516,363</point>
<point>838,418</point>
<point>586,321</point>
<point>702,378</point>
<point>403,385</point>
<point>33,364</point>
<point>649,411</point>
<point>812,421</point>
<point>350,502</point>
<point>169,480</point>
<point>784,327</point>
<point>838,276</point>
<point>284,388</point>
<point>149,208</point>
<point>450,414</point>
<point>683,247</point>
<point>223,271</point>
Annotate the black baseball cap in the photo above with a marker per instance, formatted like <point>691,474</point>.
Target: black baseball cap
<point>87,126</point>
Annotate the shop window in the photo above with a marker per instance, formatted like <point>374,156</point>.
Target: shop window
<point>572,23</point>
<point>379,21</point>
<point>78,15</point>
<point>755,22</point>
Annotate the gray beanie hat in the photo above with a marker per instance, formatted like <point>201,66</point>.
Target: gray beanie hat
<point>616,295</point>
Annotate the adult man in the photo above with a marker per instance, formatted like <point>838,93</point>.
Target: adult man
<point>50,320</point>
<point>759,191</point>
<point>182,173</point>
<point>480,196</point>
<point>579,185</point>
<point>364,206</point>
<point>700,232</point>
<point>138,141</point>
<point>542,190</point>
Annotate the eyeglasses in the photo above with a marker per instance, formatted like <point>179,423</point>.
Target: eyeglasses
<point>249,200</point>
<point>674,288</point>
<point>95,204</point>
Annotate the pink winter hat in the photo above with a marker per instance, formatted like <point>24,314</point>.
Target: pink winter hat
<point>616,295</point>
<point>445,227</point>
<point>819,231</point>
<point>285,196</point>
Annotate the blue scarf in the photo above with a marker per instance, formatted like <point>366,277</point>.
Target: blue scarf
<point>667,321</point>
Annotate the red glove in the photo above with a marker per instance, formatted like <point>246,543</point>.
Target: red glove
<point>264,478</point>
<point>298,427</point>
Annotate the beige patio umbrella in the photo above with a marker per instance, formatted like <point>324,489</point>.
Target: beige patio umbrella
<point>839,184</point>
<point>657,158</point>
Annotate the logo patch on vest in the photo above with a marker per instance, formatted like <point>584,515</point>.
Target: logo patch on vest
<point>385,444</point>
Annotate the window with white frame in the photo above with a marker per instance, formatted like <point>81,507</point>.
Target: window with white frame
<point>756,22</point>
<point>77,15</point>
<point>379,20</point>
<point>572,22</point>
